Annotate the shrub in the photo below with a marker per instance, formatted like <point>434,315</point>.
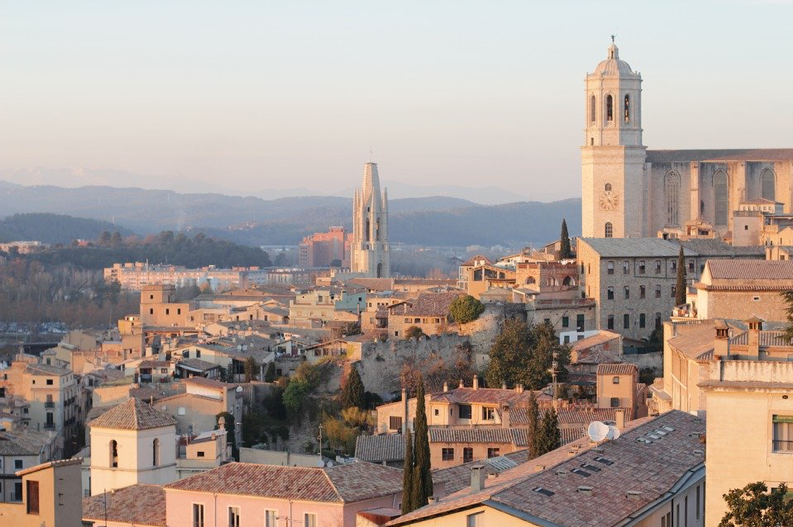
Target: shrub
<point>466,309</point>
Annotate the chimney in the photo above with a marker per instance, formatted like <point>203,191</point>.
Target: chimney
<point>478,477</point>
<point>504,385</point>
<point>755,327</point>
<point>462,384</point>
<point>505,416</point>
<point>404,411</point>
<point>721,346</point>
<point>476,382</point>
<point>445,386</point>
<point>619,418</point>
<point>519,388</point>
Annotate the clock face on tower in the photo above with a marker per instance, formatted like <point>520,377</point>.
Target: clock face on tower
<point>609,200</point>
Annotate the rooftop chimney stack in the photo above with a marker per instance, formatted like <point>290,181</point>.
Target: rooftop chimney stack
<point>445,386</point>
<point>505,421</point>
<point>753,347</point>
<point>478,477</point>
<point>462,384</point>
<point>619,418</point>
<point>476,382</point>
<point>504,385</point>
<point>721,346</point>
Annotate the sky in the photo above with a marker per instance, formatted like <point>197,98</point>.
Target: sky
<point>243,96</point>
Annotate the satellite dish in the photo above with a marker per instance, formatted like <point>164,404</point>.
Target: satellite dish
<point>597,431</point>
<point>613,433</point>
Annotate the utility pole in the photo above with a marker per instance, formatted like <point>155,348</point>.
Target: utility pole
<point>554,371</point>
<point>320,442</point>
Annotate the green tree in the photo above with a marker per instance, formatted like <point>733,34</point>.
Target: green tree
<point>534,426</point>
<point>353,394</point>
<point>524,355</point>
<point>413,332</point>
<point>549,437</point>
<point>681,287</point>
<point>269,374</point>
<point>231,436</point>
<point>250,369</point>
<point>295,395</point>
<point>464,309</point>
<point>407,476</point>
<point>755,506</point>
<point>565,251</point>
<point>422,476</point>
<point>280,259</point>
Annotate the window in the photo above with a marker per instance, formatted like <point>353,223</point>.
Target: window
<point>200,453</point>
<point>698,501</point>
<point>50,422</point>
<point>642,320</point>
<point>465,411</point>
<point>610,268</point>
<point>658,291</point>
<point>627,108</point>
<point>627,292</point>
<point>579,322</point>
<point>626,267</point>
<point>17,491</point>
<point>610,293</point>
<point>155,452</point>
<point>49,382</point>
<point>309,520</point>
<point>447,454</point>
<point>672,193</point>
<point>691,266</point>
<point>615,380</point>
<point>642,267</point>
<point>33,496</point>
<point>673,290</point>
<point>685,512</point>
<point>394,423</point>
<point>721,188</point>
<point>488,414</point>
<point>767,181</point>
<point>468,454</point>
<point>181,410</point>
<point>565,322</point>
<point>17,464</point>
<point>270,518</point>
<point>234,517</point>
<point>197,354</point>
<point>198,515</point>
<point>658,267</point>
<point>493,452</point>
<point>179,311</point>
<point>163,370</point>
<point>113,454</point>
<point>151,311</point>
<point>609,230</point>
<point>437,412</point>
<point>474,520</point>
<point>609,108</point>
<point>658,321</point>
<point>610,322</point>
<point>783,433</point>
<point>642,291</point>
<point>626,321</point>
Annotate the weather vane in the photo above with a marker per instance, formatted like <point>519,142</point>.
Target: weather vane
<point>612,38</point>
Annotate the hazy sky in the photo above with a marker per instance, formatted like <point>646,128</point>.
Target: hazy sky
<point>280,94</point>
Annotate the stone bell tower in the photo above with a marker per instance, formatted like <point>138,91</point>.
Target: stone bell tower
<point>613,179</point>
<point>370,252</point>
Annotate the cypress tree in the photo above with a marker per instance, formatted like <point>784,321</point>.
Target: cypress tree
<point>565,251</point>
<point>550,436</point>
<point>534,426</point>
<point>269,375</point>
<point>407,476</point>
<point>681,287</point>
<point>353,393</point>
<point>422,477</point>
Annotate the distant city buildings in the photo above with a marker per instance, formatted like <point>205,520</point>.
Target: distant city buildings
<point>326,249</point>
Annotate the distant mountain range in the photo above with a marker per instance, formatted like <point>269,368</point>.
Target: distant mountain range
<point>434,220</point>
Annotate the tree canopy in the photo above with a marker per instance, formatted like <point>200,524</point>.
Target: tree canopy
<point>464,309</point>
<point>756,506</point>
<point>353,395</point>
<point>565,251</point>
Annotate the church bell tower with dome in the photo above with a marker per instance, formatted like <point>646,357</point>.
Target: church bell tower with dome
<point>613,156</point>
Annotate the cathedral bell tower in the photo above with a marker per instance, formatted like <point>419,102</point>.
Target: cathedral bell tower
<point>370,252</point>
<point>614,185</point>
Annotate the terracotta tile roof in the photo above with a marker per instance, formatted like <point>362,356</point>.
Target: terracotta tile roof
<point>600,337</point>
<point>135,505</point>
<point>425,304</point>
<point>626,464</point>
<point>197,364</point>
<point>482,396</point>
<point>46,369</point>
<point>209,383</point>
<point>768,339</point>
<point>13,446</point>
<point>154,364</point>
<point>735,154</point>
<point>133,415</point>
<point>751,269</point>
<point>346,483</point>
<point>617,369</point>
<point>379,449</point>
<point>515,436</point>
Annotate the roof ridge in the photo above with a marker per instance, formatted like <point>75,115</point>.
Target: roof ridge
<point>333,485</point>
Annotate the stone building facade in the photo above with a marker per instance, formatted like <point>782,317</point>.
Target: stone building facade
<point>370,252</point>
<point>629,191</point>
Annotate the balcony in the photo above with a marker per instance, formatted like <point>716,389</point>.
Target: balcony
<point>49,404</point>
<point>782,446</point>
<point>49,426</point>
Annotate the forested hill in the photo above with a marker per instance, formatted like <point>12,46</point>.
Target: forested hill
<point>54,228</point>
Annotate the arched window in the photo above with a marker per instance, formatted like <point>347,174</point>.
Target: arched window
<point>768,182</point>
<point>592,109</point>
<point>568,281</point>
<point>609,230</point>
<point>721,188</point>
<point>615,380</point>
<point>379,270</point>
<point>377,230</point>
<point>627,108</point>
<point>672,193</point>
<point>531,280</point>
<point>610,265</point>
<point>607,188</point>
<point>609,108</point>
<point>610,293</point>
<point>368,226</point>
<point>155,452</point>
<point>113,454</point>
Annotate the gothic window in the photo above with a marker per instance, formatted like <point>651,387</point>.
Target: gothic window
<point>368,226</point>
<point>568,281</point>
<point>609,231</point>
<point>377,231</point>
<point>627,108</point>
<point>155,452</point>
<point>379,270</point>
<point>722,192</point>
<point>767,181</point>
<point>592,109</point>
<point>607,188</point>
<point>672,192</point>
<point>113,454</point>
<point>609,108</point>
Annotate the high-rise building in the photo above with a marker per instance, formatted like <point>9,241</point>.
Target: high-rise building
<point>325,249</point>
<point>370,250</point>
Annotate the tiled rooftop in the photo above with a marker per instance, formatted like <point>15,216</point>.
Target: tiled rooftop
<point>135,505</point>
<point>736,154</point>
<point>482,396</point>
<point>624,368</point>
<point>380,448</point>
<point>494,435</point>
<point>133,415</point>
<point>346,483</point>
<point>426,304</point>
<point>751,269</point>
